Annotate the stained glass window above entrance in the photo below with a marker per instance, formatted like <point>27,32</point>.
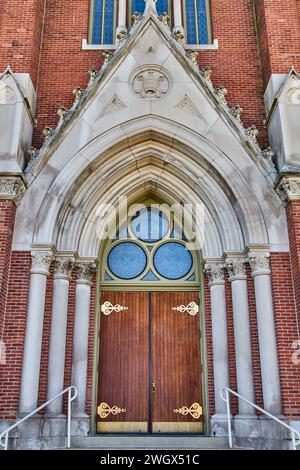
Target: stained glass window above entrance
<point>151,246</point>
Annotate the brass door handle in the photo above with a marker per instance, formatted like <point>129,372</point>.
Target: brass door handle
<point>153,387</point>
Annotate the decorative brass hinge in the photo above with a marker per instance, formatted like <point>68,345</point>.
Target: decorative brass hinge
<point>107,308</point>
<point>195,411</point>
<point>105,410</point>
<point>192,308</point>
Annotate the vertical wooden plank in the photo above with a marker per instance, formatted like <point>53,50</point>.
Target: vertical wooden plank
<point>123,362</point>
<point>176,362</point>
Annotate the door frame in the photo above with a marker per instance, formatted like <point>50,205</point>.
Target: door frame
<point>203,343</point>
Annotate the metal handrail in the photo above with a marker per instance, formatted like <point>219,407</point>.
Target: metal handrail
<point>279,421</point>
<point>15,425</point>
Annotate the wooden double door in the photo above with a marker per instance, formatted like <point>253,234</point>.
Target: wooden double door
<point>149,363</point>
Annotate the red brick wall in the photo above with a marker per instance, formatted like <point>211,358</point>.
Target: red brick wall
<point>287,331</point>
<point>278,24</point>
<point>20,35</point>
<point>293,220</point>
<point>14,333</point>
<point>209,347</point>
<point>7,221</point>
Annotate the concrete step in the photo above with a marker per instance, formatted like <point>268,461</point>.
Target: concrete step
<point>159,442</point>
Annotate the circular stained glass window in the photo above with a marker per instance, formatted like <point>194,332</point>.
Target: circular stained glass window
<point>173,260</point>
<point>127,260</point>
<point>150,224</point>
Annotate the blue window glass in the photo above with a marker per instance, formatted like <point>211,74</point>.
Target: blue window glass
<point>202,22</point>
<point>103,9</point>
<point>127,260</point>
<point>150,224</point>
<point>150,277</point>
<point>196,22</point>
<point>139,6</point>
<point>172,260</point>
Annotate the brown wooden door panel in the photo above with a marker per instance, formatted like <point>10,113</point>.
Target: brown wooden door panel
<point>123,362</point>
<point>175,362</point>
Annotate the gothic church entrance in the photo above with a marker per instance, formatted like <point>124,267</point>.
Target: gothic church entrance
<point>150,377</point>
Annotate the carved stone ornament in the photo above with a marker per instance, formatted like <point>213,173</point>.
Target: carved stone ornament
<point>236,267</point>
<point>41,261</point>
<point>164,18</point>
<point>92,73</point>
<point>63,266</point>
<point>48,133</point>
<point>106,58</point>
<point>193,55</point>
<point>12,187</point>
<point>292,96</point>
<point>78,92</point>
<point>259,262</point>
<point>268,155</point>
<point>206,73</point>
<point>135,18</point>
<point>178,35</point>
<point>151,83</point>
<point>289,188</point>
<point>221,92</point>
<point>62,113</point>
<point>236,112</point>
<point>215,272</point>
<point>252,132</point>
<point>121,36</point>
<point>86,272</point>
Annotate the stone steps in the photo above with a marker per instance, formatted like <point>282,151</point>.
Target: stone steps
<point>159,442</point>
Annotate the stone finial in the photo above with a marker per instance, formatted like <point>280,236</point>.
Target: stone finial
<point>41,262</point>
<point>92,73</point>
<point>236,267</point>
<point>206,73</point>
<point>252,132</point>
<point>236,112</point>
<point>150,7</point>
<point>106,58</point>
<point>215,272</point>
<point>12,187</point>
<point>85,272</point>
<point>221,92</point>
<point>259,262</point>
<point>48,133</point>
<point>164,18</point>
<point>63,266</point>
<point>78,92</point>
<point>193,55</point>
<point>268,154</point>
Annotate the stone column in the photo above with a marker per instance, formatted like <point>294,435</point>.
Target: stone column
<point>56,364</point>
<point>41,261</point>
<point>261,273</point>
<point>121,33</point>
<point>242,337</point>
<point>216,284</point>
<point>178,26</point>
<point>85,274</point>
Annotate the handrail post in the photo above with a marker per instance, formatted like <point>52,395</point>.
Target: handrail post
<point>293,441</point>
<point>6,441</point>
<point>69,418</point>
<point>228,418</point>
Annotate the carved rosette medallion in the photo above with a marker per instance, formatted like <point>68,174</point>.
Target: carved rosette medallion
<point>151,82</point>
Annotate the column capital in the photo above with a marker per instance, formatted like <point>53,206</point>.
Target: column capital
<point>259,263</point>
<point>85,272</point>
<point>215,274</point>
<point>40,262</point>
<point>12,187</point>
<point>288,188</point>
<point>63,266</point>
<point>236,268</point>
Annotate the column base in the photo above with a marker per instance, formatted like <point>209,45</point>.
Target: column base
<point>219,425</point>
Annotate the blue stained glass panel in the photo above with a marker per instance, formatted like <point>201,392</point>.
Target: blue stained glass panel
<point>108,36</point>
<point>172,260</point>
<point>150,277</point>
<point>98,7</point>
<point>150,224</point>
<point>190,22</point>
<point>138,5</point>
<point>127,260</point>
<point>202,22</point>
<point>107,277</point>
<point>162,6</point>
<point>192,277</point>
